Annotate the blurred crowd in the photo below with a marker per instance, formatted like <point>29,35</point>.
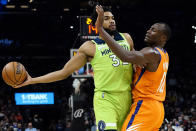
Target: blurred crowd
<point>32,118</point>
<point>180,105</point>
<point>11,118</point>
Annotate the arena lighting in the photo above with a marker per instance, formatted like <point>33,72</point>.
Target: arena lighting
<point>81,9</point>
<point>24,6</point>
<point>10,6</point>
<point>34,9</point>
<point>71,27</point>
<point>195,39</point>
<point>66,9</point>
<point>194,27</point>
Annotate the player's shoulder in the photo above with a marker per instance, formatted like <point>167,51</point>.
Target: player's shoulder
<point>151,54</point>
<point>126,35</point>
<point>149,50</point>
<point>88,48</point>
<point>87,44</point>
<point>129,39</point>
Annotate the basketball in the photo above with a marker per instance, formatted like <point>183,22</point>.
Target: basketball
<point>14,73</point>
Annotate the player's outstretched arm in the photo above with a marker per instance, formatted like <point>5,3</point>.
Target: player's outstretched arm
<point>136,57</point>
<point>75,63</point>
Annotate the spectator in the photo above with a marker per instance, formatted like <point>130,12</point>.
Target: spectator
<point>20,128</point>
<point>177,127</point>
<point>93,127</point>
<point>169,127</point>
<point>36,121</point>
<point>68,126</point>
<point>30,127</point>
<point>18,117</point>
<point>59,126</point>
<point>52,126</point>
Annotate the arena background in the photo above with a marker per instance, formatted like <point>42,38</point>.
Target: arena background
<point>41,33</point>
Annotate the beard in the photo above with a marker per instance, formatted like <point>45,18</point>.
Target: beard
<point>111,32</point>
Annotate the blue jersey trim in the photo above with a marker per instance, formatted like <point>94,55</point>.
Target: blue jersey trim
<point>139,103</point>
<point>158,52</point>
<point>142,72</point>
<point>99,41</point>
<point>162,49</point>
<point>117,37</point>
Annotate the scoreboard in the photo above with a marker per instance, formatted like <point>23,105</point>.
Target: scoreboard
<point>87,30</point>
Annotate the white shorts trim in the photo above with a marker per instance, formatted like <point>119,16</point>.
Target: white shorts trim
<point>111,124</point>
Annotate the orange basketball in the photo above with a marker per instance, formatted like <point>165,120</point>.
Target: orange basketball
<point>14,73</point>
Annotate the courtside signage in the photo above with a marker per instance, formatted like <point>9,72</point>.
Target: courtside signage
<point>34,98</point>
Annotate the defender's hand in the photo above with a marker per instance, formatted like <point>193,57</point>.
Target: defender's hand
<point>100,18</point>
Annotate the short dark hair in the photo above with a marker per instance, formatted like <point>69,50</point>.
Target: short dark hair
<point>166,30</point>
<point>94,14</point>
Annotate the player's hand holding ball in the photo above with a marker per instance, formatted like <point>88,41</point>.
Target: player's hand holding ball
<point>15,75</point>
